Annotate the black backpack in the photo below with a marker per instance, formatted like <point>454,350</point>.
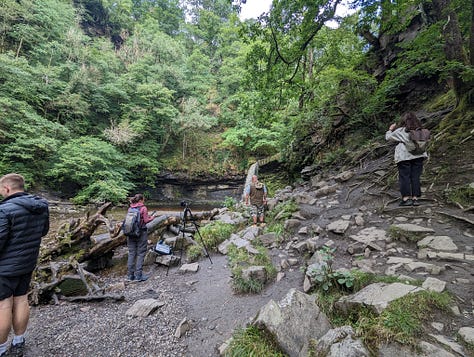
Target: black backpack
<point>418,143</point>
<point>131,224</point>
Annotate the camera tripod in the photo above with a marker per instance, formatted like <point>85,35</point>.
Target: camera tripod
<point>187,213</point>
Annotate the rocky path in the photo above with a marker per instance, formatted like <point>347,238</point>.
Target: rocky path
<point>348,213</point>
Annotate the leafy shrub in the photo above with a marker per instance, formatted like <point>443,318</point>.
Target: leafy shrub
<point>325,277</point>
<point>229,202</point>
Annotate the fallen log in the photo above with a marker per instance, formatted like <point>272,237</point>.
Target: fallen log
<point>60,269</point>
<point>89,298</point>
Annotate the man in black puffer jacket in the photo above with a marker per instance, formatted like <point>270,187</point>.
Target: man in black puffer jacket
<point>24,220</point>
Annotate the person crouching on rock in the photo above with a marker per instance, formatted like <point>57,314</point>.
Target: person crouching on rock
<point>256,193</point>
<point>137,247</point>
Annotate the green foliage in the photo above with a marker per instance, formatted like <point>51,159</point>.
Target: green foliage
<point>463,195</point>
<point>326,278</point>
<point>403,320</point>
<point>283,210</point>
<point>94,167</point>
<point>210,94</point>
<point>252,341</point>
<point>194,252</point>
<point>215,233</point>
<point>229,202</point>
<point>239,259</point>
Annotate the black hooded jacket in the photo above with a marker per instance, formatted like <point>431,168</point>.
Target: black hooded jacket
<point>24,220</point>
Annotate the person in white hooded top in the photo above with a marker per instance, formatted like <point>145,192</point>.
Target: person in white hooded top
<point>409,166</point>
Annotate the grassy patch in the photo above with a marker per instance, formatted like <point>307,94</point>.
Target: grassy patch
<point>212,235</point>
<point>215,233</point>
<point>253,342</point>
<point>403,320</point>
<point>463,195</point>
<point>240,259</point>
<point>194,252</point>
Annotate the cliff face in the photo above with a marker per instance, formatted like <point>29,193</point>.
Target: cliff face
<point>204,189</point>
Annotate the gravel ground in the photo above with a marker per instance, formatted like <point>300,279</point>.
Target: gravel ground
<point>103,328</point>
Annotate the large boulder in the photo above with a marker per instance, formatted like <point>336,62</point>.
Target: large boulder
<point>293,321</point>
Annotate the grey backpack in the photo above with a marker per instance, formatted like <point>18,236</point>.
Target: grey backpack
<point>418,143</point>
<point>131,224</point>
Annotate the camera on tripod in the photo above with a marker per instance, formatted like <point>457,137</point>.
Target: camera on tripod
<point>184,203</point>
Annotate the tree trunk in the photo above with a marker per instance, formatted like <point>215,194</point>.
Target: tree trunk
<point>453,45</point>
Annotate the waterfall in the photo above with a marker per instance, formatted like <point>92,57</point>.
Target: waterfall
<point>253,170</point>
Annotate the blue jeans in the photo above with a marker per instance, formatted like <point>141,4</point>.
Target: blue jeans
<point>409,173</point>
<point>136,254</point>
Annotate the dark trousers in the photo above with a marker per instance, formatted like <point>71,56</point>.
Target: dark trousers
<point>136,254</point>
<point>409,173</point>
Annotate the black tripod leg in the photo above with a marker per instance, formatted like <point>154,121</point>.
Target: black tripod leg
<point>202,241</point>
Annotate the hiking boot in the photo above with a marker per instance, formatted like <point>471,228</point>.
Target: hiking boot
<point>130,277</point>
<point>17,350</point>
<point>415,203</point>
<point>4,354</point>
<point>142,277</point>
<point>408,202</point>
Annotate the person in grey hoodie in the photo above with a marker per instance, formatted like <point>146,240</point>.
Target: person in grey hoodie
<point>409,166</point>
<point>24,220</point>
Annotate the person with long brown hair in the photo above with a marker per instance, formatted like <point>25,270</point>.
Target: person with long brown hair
<point>137,247</point>
<point>409,166</point>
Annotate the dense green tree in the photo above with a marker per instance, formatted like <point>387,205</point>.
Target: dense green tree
<point>94,168</point>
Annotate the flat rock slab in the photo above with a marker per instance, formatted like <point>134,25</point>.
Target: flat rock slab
<point>413,228</point>
<point>444,243</point>
<point>377,296</point>
<point>144,307</point>
<point>339,226</point>
<point>370,234</point>
<point>430,268</point>
<point>433,284</point>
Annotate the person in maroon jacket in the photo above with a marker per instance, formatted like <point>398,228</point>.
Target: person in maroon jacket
<point>137,247</point>
<point>24,220</point>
